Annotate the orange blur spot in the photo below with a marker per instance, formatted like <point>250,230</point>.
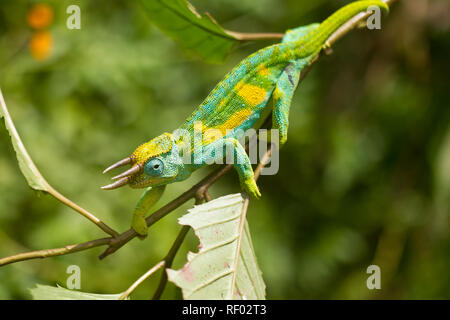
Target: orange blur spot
<point>41,44</point>
<point>40,16</point>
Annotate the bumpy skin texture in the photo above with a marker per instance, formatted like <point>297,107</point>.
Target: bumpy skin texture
<point>239,102</point>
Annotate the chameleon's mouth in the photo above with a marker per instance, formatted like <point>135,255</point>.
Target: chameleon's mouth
<point>123,178</point>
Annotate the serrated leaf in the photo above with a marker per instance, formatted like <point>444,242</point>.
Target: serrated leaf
<point>225,266</point>
<point>29,170</point>
<point>42,292</point>
<point>198,34</point>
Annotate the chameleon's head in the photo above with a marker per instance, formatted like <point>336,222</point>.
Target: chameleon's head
<point>154,163</point>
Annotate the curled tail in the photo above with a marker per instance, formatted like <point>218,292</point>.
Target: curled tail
<point>316,39</point>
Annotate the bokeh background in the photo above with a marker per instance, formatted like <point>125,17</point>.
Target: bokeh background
<point>364,178</point>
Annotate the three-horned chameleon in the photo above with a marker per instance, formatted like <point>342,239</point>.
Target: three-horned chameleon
<point>237,103</point>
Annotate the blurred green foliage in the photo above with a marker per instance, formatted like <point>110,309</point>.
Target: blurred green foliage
<point>364,178</point>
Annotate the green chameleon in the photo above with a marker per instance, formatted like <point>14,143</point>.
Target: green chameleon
<point>239,102</point>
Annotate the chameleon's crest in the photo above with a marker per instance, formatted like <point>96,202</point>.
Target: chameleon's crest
<point>155,147</point>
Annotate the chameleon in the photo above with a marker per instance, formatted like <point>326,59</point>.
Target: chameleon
<point>237,103</point>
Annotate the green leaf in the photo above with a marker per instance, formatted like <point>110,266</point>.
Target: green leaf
<point>29,170</point>
<point>42,292</point>
<point>225,266</point>
<point>198,34</point>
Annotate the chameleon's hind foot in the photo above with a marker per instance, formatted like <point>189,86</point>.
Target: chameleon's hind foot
<point>250,186</point>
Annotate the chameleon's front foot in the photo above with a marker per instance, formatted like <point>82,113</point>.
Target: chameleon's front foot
<point>147,200</point>
<point>250,186</point>
<point>140,226</point>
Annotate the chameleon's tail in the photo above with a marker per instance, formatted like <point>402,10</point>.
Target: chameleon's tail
<point>318,37</point>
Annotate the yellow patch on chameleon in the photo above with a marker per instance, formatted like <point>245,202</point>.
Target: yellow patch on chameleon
<point>253,95</point>
<point>236,119</point>
<point>211,134</point>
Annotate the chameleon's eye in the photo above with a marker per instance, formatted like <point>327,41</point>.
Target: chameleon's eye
<point>154,167</point>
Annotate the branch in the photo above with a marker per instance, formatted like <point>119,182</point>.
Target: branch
<point>54,252</point>
<point>169,260</point>
<point>115,243</point>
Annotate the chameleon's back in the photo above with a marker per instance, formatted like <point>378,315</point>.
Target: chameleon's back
<point>239,100</point>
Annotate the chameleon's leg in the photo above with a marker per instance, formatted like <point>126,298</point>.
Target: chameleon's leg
<point>283,93</point>
<point>147,200</point>
<point>282,97</point>
<point>287,83</point>
<point>233,151</point>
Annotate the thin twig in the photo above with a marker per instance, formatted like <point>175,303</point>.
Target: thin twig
<point>126,293</point>
<point>174,249</point>
<point>242,36</point>
<point>169,260</point>
<point>83,212</point>
<point>264,160</point>
<point>54,252</point>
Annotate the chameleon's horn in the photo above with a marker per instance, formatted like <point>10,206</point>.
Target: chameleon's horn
<point>118,164</point>
<point>129,172</point>
<point>116,184</point>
